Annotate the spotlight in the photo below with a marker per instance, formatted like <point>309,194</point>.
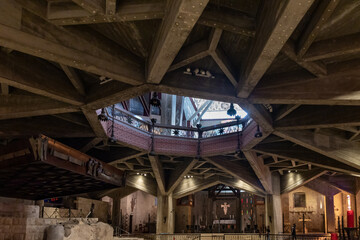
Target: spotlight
<point>258,133</point>
<point>144,174</point>
<point>155,101</point>
<point>289,171</point>
<point>102,116</point>
<point>231,111</point>
<point>137,173</point>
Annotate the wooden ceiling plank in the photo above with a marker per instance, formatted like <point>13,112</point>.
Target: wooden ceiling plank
<point>214,38</point>
<point>180,18</point>
<point>319,18</point>
<point>124,159</point>
<point>178,174</point>
<point>16,71</point>
<point>190,54</point>
<point>78,119</point>
<point>238,184</point>
<point>310,117</point>
<point>318,69</point>
<point>342,150</point>
<point>110,7</point>
<point>236,171</point>
<point>93,142</point>
<point>305,156</point>
<point>335,47</point>
<point>21,106</point>
<point>4,88</point>
<point>239,23</point>
<point>278,21</point>
<point>145,184</point>
<point>292,181</point>
<point>95,124</point>
<point>193,185</point>
<point>92,6</point>
<point>113,92</point>
<point>224,64</point>
<point>286,110</point>
<point>305,89</point>
<point>40,47</point>
<point>126,12</point>
<point>261,171</point>
<point>74,79</point>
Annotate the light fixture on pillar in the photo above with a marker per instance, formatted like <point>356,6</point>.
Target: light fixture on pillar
<point>200,131</point>
<point>238,151</point>
<point>258,133</point>
<point>152,152</point>
<point>112,137</point>
<point>155,101</point>
<point>231,111</point>
<point>102,116</point>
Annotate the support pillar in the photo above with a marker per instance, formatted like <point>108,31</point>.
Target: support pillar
<point>357,200</point>
<point>273,213</point>
<point>165,219</point>
<point>116,212</point>
<point>330,213</point>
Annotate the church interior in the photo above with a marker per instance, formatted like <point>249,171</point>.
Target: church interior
<point>180,119</point>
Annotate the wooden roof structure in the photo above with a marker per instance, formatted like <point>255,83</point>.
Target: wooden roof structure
<point>292,65</point>
<point>42,168</point>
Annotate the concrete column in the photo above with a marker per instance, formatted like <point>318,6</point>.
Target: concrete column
<point>165,219</point>
<point>273,213</point>
<point>330,213</point>
<point>116,213</point>
<point>170,214</point>
<point>357,199</point>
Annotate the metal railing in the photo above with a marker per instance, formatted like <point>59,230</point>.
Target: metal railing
<point>128,118</point>
<point>228,236</point>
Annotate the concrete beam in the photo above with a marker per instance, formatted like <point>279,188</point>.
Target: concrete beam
<point>158,172</point>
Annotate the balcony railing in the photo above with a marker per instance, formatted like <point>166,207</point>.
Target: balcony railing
<point>128,118</point>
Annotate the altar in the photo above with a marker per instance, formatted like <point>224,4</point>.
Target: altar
<point>225,222</point>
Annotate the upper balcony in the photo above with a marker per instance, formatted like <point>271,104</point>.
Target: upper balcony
<point>144,133</point>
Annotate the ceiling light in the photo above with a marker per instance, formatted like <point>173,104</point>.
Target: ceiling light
<point>258,133</point>
<point>102,116</point>
<point>155,101</point>
<point>231,111</point>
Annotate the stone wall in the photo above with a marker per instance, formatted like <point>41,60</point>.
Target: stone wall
<point>19,219</point>
<point>141,207</point>
<point>13,228</point>
<point>101,209</point>
<point>341,205</point>
<point>11,207</point>
<point>314,211</point>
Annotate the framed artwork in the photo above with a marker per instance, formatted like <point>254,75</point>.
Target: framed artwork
<point>299,200</point>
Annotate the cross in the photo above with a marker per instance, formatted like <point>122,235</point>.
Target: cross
<point>225,206</point>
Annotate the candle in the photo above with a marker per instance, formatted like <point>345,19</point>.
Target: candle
<point>350,218</point>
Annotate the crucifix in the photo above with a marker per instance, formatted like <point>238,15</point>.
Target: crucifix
<point>225,206</point>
